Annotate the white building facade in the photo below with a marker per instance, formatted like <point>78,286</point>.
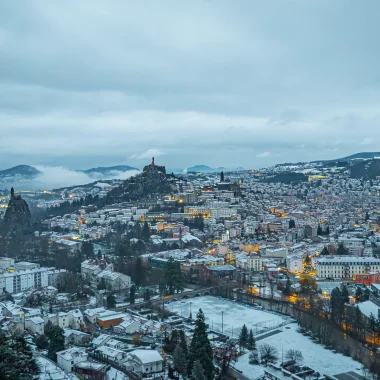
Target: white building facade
<point>346,266</point>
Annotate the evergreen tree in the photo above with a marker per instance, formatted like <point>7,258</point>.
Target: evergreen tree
<point>42,342</point>
<point>183,343</point>
<point>222,177</point>
<point>16,359</point>
<point>197,372</point>
<point>173,277</point>
<point>145,232</point>
<point>200,348</point>
<point>319,230</point>
<point>243,337</point>
<point>179,360</point>
<point>171,373</point>
<point>251,340</point>
<point>132,295</point>
<point>178,277</point>
<point>358,323</point>
<point>111,302</point>
<point>56,340</point>
<point>337,305</point>
<point>172,341</point>
<point>292,223</point>
<point>359,294</point>
<point>288,286</point>
<point>345,294</point>
<point>139,273</point>
<point>341,251</point>
<point>324,251</point>
<point>87,249</point>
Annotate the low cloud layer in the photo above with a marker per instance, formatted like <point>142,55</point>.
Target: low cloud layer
<point>58,177</point>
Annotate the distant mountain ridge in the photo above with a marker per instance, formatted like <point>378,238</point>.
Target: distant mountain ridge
<point>356,156</point>
<point>109,169</point>
<point>209,169</point>
<point>20,170</point>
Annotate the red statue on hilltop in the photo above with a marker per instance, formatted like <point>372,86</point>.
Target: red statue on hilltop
<point>152,161</point>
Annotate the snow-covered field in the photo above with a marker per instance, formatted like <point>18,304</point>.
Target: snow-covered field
<point>234,314</point>
<point>315,355</point>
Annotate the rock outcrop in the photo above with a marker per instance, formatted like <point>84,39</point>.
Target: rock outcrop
<point>17,219</point>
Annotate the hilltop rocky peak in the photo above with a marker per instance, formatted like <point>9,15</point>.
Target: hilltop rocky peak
<point>17,219</point>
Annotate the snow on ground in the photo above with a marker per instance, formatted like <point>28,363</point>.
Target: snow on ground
<point>234,314</point>
<point>249,370</point>
<point>114,374</point>
<point>50,370</point>
<point>315,355</point>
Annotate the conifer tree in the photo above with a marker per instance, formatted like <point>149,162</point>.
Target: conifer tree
<point>251,340</point>
<point>179,360</point>
<point>200,349</point>
<point>16,359</point>
<point>183,343</point>
<point>243,337</point>
<point>345,294</point>
<point>56,340</point>
<point>145,232</point>
<point>132,295</point>
<point>197,372</point>
<point>288,286</point>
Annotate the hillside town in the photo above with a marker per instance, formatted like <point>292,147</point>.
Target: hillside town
<point>124,289</point>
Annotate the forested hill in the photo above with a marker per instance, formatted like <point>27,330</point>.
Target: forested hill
<point>287,177</point>
<point>152,181</point>
<point>366,169</point>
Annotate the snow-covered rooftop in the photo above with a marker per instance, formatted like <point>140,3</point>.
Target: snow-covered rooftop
<point>147,356</point>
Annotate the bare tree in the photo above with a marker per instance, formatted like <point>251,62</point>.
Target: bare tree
<point>268,353</point>
<point>294,355</point>
<point>254,357</point>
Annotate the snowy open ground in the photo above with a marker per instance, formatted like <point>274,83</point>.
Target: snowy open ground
<point>234,314</point>
<point>50,370</point>
<point>315,355</point>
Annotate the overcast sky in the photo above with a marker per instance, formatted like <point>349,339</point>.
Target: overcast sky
<point>224,83</point>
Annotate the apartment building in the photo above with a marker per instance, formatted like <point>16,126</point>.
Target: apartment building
<point>346,266</point>
<point>16,282</point>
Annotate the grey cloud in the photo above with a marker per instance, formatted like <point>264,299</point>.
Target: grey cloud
<point>99,83</point>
